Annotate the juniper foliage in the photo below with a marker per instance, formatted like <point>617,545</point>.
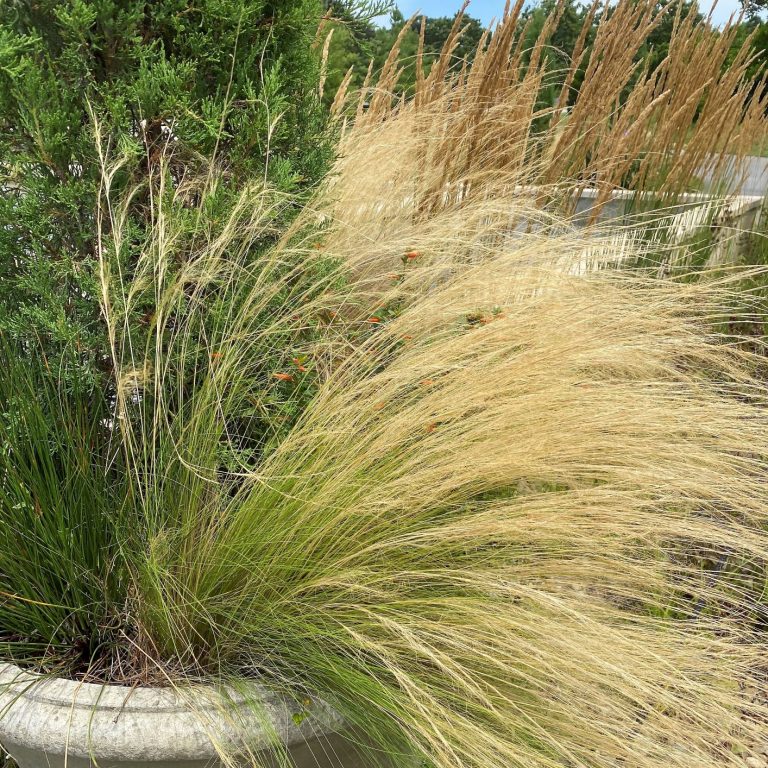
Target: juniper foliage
<point>233,81</point>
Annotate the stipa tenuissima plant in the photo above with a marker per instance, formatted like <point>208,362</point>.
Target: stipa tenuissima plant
<point>495,530</point>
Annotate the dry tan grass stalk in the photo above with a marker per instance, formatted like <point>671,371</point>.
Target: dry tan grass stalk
<point>627,125</point>
<point>324,63</point>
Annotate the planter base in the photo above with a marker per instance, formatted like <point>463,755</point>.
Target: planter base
<point>55,723</point>
<point>331,752</point>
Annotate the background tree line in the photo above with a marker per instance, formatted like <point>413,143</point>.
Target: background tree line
<point>357,44</point>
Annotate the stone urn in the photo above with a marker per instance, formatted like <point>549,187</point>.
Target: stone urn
<point>48,722</point>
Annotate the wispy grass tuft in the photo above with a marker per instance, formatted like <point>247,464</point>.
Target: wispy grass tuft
<point>497,528</point>
<point>62,532</point>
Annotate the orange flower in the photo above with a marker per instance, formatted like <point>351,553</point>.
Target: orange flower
<point>431,427</point>
<point>411,255</point>
<point>427,382</point>
<point>379,406</point>
<point>407,337</point>
<point>374,319</point>
<point>393,276</point>
<point>283,376</point>
<point>298,364</point>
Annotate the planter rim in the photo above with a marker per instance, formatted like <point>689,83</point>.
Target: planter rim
<point>102,722</point>
<point>34,686</point>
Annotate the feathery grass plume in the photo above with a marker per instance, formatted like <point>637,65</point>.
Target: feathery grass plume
<point>696,114</point>
<point>495,529</point>
<point>494,536</point>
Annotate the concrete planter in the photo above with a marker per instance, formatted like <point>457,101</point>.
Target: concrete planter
<point>56,723</point>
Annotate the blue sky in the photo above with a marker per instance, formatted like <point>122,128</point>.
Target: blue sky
<point>485,10</point>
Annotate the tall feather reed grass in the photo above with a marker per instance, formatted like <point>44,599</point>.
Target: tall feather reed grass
<point>693,117</point>
<point>500,529</point>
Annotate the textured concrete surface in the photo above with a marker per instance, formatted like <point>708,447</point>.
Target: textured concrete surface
<point>752,178</point>
<point>55,723</point>
<point>756,176</point>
